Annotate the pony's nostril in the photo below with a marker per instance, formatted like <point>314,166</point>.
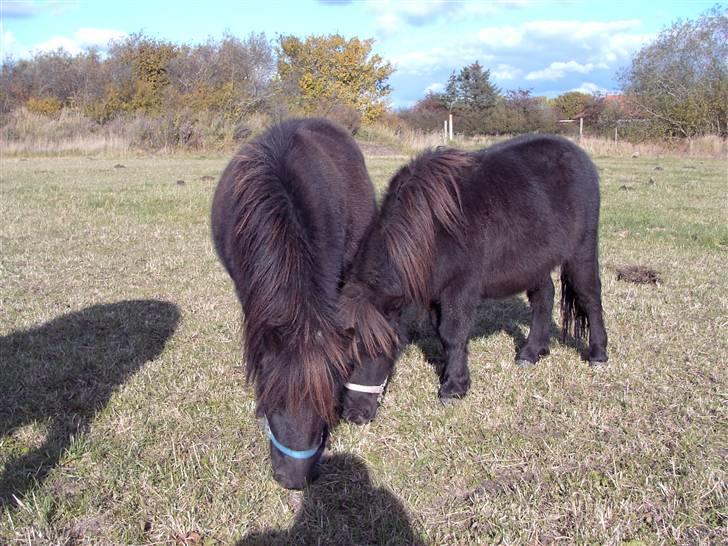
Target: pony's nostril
<point>358,416</point>
<point>352,415</point>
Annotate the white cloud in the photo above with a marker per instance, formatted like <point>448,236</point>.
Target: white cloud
<point>506,72</point>
<point>435,88</point>
<point>533,51</point>
<point>599,42</point>
<point>7,40</point>
<point>622,46</point>
<point>501,37</point>
<point>82,39</point>
<point>578,31</point>
<point>392,15</point>
<point>58,42</point>
<point>590,88</point>
<point>97,37</point>
<point>388,23</point>
<point>9,46</point>
<point>437,58</point>
<point>558,69</point>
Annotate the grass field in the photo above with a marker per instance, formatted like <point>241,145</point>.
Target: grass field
<point>125,419</point>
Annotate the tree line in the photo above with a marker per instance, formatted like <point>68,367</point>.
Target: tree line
<point>676,86</point>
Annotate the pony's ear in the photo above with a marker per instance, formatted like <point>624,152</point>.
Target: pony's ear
<point>367,324</point>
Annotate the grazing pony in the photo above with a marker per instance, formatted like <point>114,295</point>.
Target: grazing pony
<point>287,218</point>
<point>455,227</point>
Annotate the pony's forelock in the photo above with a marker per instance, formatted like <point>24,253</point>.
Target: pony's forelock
<point>284,318</point>
<point>371,327</point>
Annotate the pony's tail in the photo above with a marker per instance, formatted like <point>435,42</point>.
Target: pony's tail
<point>423,194</point>
<point>367,324</point>
<point>574,319</point>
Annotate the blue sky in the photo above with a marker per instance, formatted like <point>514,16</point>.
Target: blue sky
<point>549,47</point>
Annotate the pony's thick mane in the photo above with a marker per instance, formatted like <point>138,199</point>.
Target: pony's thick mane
<point>361,316</point>
<point>286,310</point>
<point>422,195</point>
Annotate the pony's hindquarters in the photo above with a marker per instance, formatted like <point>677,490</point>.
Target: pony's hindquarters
<point>581,302</point>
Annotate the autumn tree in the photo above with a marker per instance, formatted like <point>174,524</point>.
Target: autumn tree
<point>230,76</point>
<point>526,112</point>
<point>569,105</point>
<point>148,60</point>
<point>320,73</point>
<point>680,81</point>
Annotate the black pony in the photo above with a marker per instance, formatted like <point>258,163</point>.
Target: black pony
<point>456,227</point>
<point>287,218</point>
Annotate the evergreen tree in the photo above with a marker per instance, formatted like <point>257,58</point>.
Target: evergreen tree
<point>471,97</point>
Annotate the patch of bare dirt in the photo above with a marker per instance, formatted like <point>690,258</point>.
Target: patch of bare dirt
<point>638,274</point>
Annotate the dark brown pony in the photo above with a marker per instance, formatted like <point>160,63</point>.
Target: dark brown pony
<point>457,227</point>
<point>287,218</point>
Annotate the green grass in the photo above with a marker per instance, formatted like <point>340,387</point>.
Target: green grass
<point>124,415</point>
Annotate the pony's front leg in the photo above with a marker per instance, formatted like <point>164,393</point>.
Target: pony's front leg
<point>454,322</point>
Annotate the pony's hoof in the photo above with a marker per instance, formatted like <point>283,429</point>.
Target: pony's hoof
<point>598,364</point>
<point>525,364</point>
<point>448,401</point>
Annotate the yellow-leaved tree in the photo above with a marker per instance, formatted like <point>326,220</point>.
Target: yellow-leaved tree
<point>322,72</point>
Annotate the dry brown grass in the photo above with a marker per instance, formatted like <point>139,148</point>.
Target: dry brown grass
<point>28,133</point>
<point>707,146</point>
<point>25,133</point>
<point>170,452</point>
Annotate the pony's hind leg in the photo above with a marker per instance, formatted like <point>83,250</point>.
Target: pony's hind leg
<point>455,320</point>
<point>583,275</point>
<point>541,298</point>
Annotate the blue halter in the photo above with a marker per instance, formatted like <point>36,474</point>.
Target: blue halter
<point>305,454</point>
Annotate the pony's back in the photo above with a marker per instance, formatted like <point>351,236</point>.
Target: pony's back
<point>528,204</point>
<point>287,218</point>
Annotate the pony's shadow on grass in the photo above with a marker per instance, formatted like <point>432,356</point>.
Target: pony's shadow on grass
<point>60,374</point>
<point>343,507</point>
<point>510,315</point>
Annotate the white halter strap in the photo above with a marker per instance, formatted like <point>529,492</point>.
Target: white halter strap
<point>370,389</point>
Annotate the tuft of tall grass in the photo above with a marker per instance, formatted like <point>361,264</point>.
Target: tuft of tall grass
<point>705,146</point>
<point>23,132</point>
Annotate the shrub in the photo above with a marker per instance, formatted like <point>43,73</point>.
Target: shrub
<point>49,106</point>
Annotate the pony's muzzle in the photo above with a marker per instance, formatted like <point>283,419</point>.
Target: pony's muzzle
<point>361,401</point>
<point>362,412</point>
<point>295,480</point>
